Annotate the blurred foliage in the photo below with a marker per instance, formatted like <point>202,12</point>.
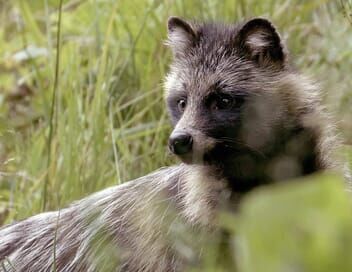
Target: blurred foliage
<point>110,122</point>
<point>310,230</point>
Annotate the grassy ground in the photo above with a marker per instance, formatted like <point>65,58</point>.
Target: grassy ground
<point>107,122</point>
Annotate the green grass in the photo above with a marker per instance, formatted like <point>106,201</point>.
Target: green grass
<point>108,122</point>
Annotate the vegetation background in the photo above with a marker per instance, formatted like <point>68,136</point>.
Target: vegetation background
<point>86,111</point>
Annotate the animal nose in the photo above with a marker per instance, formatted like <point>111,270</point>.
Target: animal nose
<point>180,143</point>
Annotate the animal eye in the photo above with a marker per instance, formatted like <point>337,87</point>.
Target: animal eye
<point>181,104</point>
<point>222,103</point>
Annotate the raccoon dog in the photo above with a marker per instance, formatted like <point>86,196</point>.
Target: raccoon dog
<point>242,118</point>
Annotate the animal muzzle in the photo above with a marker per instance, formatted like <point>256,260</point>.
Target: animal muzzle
<point>190,145</point>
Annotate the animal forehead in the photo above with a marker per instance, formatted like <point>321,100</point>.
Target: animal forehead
<point>212,55</point>
<point>226,75</point>
<point>208,65</point>
<point>202,85</point>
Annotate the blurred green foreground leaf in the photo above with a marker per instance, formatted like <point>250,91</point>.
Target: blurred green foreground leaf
<point>304,226</point>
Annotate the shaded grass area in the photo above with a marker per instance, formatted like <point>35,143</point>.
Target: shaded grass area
<point>109,122</point>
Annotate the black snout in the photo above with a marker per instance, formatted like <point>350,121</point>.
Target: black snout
<point>180,143</point>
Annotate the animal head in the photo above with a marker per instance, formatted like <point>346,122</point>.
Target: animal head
<point>231,95</point>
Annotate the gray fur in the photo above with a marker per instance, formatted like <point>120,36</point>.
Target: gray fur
<point>131,222</point>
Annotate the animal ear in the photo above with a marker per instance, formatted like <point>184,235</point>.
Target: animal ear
<point>181,35</point>
<point>259,41</point>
